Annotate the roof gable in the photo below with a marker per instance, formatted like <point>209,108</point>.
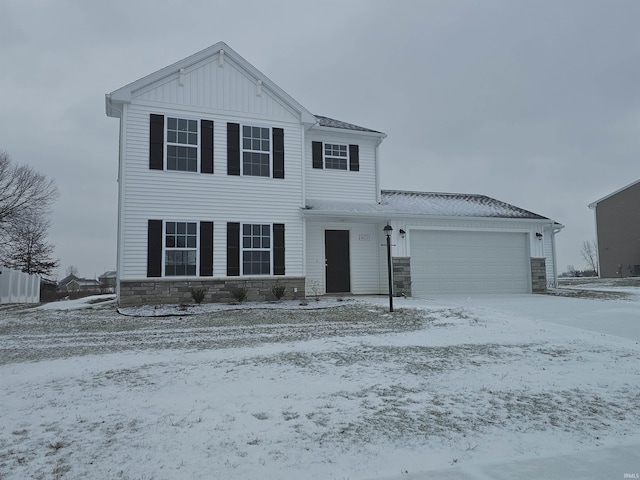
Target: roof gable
<point>631,185</point>
<point>179,72</point>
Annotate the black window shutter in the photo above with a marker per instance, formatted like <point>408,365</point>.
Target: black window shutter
<point>206,249</point>
<point>354,158</point>
<point>156,142</point>
<point>316,154</point>
<point>154,248</point>
<point>278,248</point>
<point>233,149</point>
<point>278,152</point>
<point>233,249</point>
<point>206,148</point>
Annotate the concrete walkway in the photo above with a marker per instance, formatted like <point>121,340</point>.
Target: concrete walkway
<point>619,462</point>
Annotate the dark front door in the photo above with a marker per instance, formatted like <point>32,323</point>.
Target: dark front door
<point>337,271</point>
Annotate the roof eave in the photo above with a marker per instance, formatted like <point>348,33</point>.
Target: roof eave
<point>350,131</point>
<point>310,212</point>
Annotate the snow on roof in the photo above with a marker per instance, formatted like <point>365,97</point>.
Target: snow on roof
<point>330,122</point>
<point>395,202</point>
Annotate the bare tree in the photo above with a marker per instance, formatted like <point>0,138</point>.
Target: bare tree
<point>23,190</point>
<point>589,253</point>
<point>72,270</point>
<point>24,244</point>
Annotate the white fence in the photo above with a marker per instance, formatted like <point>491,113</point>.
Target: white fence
<point>18,287</point>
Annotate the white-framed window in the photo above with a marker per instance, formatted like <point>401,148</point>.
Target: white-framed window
<point>256,151</point>
<point>336,156</point>
<point>180,248</point>
<point>182,144</point>
<point>256,249</point>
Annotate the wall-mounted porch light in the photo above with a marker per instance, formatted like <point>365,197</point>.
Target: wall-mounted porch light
<point>402,233</point>
<point>538,235</point>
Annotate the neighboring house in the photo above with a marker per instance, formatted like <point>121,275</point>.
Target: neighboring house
<point>226,181</point>
<point>108,282</point>
<point>618,232</point>
<point>71,283</point>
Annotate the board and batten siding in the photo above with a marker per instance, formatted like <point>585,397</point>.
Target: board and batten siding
<point>329,184</point>
<point>218,197</point>
<point>365,252</point>
<point>210,86</point>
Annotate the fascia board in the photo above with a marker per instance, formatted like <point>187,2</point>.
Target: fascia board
<point>347,131</point>
<point>395,215</point>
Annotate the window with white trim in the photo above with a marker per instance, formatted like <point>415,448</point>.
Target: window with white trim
<point>180,248</point>
<point>336,156</point>
<point>256,151</point>
<point>256,249</point>
<point>182,144</point>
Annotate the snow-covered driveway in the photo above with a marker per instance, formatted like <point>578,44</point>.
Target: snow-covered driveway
<point>347,391</point>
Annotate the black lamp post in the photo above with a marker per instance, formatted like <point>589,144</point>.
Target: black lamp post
<point>387,231</point>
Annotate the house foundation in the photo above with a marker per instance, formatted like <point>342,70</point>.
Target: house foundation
<point>169,291</point>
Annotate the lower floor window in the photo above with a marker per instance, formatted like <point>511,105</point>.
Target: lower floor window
<point>256,249</point>
<point>180,249</point>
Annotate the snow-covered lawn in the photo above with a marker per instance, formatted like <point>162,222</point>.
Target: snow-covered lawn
<point>337,389</point>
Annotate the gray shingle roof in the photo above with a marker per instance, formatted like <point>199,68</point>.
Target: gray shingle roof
<point>330,122</point>
<point>396,202</point>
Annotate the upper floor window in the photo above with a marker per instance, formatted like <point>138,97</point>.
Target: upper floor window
<point>176,143</point>
<point>182,144</point>
<point>181,249</point>
<point>336,156</point>
<point>256,151</point>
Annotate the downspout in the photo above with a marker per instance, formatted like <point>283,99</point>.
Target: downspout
<point>554,230</point>
<point>120,229</point>
<point>377,155</point>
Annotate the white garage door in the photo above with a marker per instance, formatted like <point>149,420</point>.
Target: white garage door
<point>468,262</point>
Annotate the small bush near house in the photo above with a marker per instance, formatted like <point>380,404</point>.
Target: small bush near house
<point>198,294</point>
<point>239,293</point>
<point>278,291</point>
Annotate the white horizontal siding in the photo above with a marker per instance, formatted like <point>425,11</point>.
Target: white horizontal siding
<point>328,184</point>
<point>218,197</point>
<point>549,256</point>
<point>365,256</point>
<point>402,245</point>
<point>228,88</point>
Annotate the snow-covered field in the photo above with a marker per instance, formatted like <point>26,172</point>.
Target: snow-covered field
<point>333,390</point>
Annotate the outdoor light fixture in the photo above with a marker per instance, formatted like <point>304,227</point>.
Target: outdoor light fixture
<point>402,233</point>
<point>387,231</point>
<point>538,235</point>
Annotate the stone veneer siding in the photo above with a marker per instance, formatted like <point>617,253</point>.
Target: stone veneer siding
<point>538,275</point>
<point>401,276</point>
<point>168,291</point>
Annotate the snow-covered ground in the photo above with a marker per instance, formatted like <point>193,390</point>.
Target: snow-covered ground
<point>331,390</point>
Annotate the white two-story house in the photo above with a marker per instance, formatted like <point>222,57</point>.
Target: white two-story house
<point>225,181</point>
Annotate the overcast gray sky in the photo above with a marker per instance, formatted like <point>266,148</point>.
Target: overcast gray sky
<point>536,103</point>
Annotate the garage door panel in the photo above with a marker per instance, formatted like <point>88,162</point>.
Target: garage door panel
<point>469,262</point>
